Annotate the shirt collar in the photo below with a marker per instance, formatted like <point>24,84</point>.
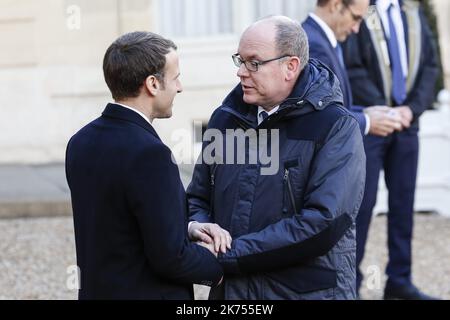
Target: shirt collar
<point>135,110</point>
<point>261,109</point>
<point>330,34</point>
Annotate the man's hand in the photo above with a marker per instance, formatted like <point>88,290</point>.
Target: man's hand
<point>209,246</point>
<point>406,114</point>
<point>383,120</point>
<point>210,234</point>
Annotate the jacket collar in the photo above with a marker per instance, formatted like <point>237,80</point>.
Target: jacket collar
<point>116,111</point>
<point>317,85</point>
<point>326,41</point>
<point>323,27</point>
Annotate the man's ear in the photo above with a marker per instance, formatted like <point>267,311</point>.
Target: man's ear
<point>152,84</point>
<point>336,5</point>
<point>292,68</point>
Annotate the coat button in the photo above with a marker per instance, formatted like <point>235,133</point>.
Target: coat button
<point>320,103</point>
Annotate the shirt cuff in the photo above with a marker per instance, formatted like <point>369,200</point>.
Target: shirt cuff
<point>189,225</point>
<point>366,132</point>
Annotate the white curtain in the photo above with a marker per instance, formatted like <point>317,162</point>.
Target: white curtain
<point>200,18</point>
<point>296,9</point>
<point>196,18</point>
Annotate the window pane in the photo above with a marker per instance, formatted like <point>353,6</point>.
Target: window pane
<point>295,9</point>
<point>195,18</point>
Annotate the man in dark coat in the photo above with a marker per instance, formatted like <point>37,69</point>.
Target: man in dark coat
<point>129,206</point>
<point>292,219</point>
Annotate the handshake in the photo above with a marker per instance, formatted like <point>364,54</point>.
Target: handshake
<point>385,120</point>
<point>211,236</point>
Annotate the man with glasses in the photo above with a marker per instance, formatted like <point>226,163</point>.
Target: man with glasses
<point>393,61</point>
<point>293,231</point>
<point>332,22</point>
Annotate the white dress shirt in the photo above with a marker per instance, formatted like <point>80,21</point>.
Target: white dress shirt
<point>333,41</point>
<point>383,7</point>
<point>132,109</point>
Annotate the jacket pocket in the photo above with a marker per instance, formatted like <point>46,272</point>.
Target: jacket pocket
<point>288,194</point>
<point>304,279</point>
<point>291,187</point>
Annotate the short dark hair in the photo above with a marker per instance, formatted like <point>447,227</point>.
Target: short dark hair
<point>131,59</point>
<point>323,3</point>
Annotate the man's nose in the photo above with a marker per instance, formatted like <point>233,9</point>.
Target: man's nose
<point>242,71</point>
<point>179,87</point>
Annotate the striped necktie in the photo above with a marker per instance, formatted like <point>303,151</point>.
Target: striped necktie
<point>398,79</point>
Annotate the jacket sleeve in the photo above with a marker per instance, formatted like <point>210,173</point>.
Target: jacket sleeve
<point>199,194</point>
<point>332,198</point>
<point>156,197</point>
<point>358,54</point>
<point>422,95</point>
<point>357,111</point>
<point>361,118</point>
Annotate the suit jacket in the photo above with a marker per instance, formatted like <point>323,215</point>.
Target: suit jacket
<point>130,213</point>
<point>365,68</point>
<point>320,48</point>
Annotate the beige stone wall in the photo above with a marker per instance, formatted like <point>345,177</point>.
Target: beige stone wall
<point>51,80</point>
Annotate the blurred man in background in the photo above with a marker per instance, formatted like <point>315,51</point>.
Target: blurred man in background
<point>392,61</point>
<point>331,23</point>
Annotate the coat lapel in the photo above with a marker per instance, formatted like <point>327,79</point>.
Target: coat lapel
<point>116,111</point>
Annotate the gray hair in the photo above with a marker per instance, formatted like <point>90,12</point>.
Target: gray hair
<point>291,39</point>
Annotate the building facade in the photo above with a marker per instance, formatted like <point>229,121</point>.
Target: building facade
<point>51,80</point>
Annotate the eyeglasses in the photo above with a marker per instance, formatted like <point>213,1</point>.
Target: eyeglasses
<point>355,17</point>
<point>252,65</point>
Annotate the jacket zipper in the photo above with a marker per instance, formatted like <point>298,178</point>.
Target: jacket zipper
<point>211,196</point>
<point>288,192</point>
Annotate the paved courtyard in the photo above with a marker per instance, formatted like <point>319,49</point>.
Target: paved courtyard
<point>35,255</point>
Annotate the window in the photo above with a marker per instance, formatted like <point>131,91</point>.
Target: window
<point>294,9</point>
<point>205,18</point>
<point>195,18</point>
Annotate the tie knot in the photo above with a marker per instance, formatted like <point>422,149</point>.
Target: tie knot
<point>263,115</point>
<point>391,7</point>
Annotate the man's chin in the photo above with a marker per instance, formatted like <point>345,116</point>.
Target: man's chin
<point>343,37</point>
<point>249,99</point>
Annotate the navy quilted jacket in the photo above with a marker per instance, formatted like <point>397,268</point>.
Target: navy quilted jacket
<point>294,231</point>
